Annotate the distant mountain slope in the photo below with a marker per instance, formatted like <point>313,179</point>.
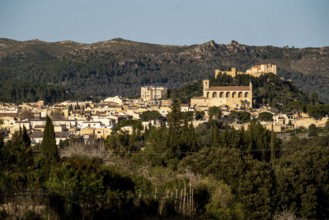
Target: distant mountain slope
<point>120,67</point>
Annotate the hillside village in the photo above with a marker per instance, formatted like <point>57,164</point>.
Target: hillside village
<point>236,145</point>
<point>91,121</point>
<point>164,110</point>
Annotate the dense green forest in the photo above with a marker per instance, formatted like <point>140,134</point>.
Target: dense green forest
<point>177,171</point>
<point>20,91</point>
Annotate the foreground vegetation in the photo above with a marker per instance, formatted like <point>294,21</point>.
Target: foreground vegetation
<point>212,171</point>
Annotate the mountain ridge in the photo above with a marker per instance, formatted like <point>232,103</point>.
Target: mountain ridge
<point>119,66</point>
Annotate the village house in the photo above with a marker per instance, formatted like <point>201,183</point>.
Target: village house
<point>65,123</point>
<point>114,100</point>
<point>8,127</point>
<point>118,117</point>
<point>185,108</point>
<point>96,132</point>
<point>7,121</point>
<point>91,124</point>
<point>165,103</point>
<point>36,124</point>
<point>286,121</point>
<point>106,121</point>
<point>61,110</point>
<point>77,115</point>
<point>21,124</point>
<point>8,110</point>
<point>134,112</point>
<point>37,137</point>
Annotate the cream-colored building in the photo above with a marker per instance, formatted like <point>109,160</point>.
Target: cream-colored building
<point>255,71</point>
<point>232,96</point>
<point>96,132</point>
<point>153,92</point>
<point>258,70</point>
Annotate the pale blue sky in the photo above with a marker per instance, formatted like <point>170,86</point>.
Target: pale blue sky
<point>299,23</point>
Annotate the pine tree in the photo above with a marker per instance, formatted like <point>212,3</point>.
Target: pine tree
<point>48,144</point>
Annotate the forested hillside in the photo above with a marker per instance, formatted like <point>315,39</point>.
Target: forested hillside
<point>120,67</point>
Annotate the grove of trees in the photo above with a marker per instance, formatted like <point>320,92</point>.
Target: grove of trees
<point>176,171</point>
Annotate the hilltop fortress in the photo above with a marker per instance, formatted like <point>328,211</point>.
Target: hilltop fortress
<point>255,71</point>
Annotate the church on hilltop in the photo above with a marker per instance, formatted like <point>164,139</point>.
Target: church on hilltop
<point>231,96</point>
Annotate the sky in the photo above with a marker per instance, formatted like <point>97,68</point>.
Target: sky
<point>298,23</point>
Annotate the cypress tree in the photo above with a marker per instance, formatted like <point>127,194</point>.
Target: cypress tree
<point>174,139</point>
<point>2,142</point>
<point>272,145</point>
<point>26,138</point>
<point>215,137</point>
<point>175,117</point>
<point>175,125</point>
<point>250,133</point>
<point>19,138</point>
<point>48,144</point>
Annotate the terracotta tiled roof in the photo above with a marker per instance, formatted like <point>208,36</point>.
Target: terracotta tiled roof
<point>40,126</point>
<point>228,88</point>
<point>8,114</point>
<point>36,134</point>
